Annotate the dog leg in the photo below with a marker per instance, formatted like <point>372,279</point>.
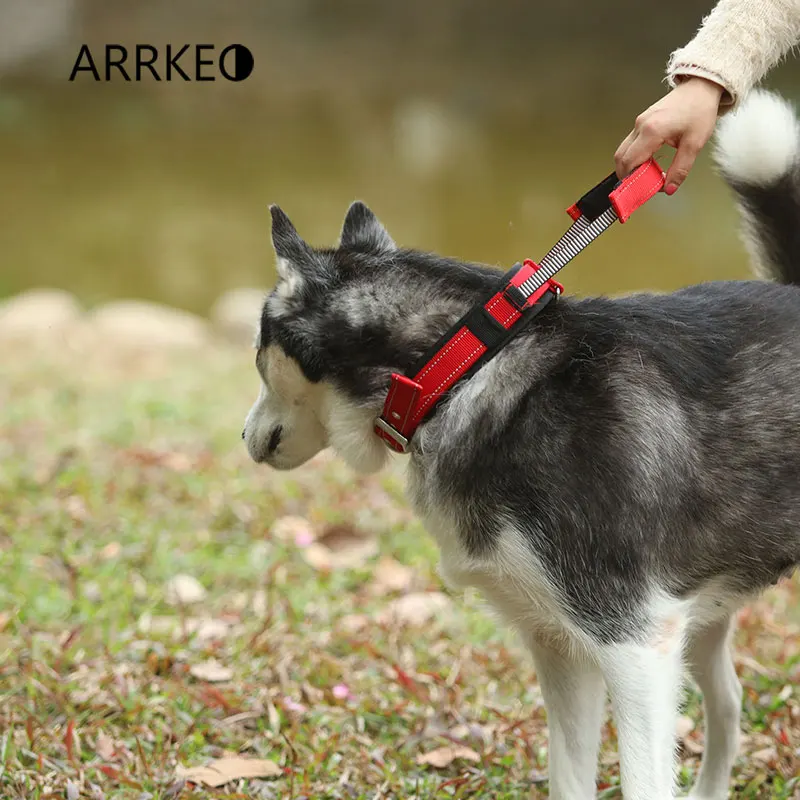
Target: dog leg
<point>574,696</point>
<point>644,683</point>
<point>710,662</point>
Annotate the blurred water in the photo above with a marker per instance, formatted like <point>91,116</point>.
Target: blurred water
<point>161,192</point>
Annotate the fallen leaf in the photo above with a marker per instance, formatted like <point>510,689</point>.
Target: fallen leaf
<point>354,623</point>
<point>76,508</point>
<point>340,547</point>
<point>111,550</point>
<point>73,792</point>
<point>178,462</point>
<point>766,756</point>
<point>207,629</point>
<point>105,747</point>
<point>313,695</point>
<point>293,529</point>
<point>139,586</point>
<point>753,665</point>
<point>444,756</point>
<point>224,770</point>
<point>478,733</point>
<point>91,591</point>
<point>693,747</point>
<point>211,671</point>
<point>260,603</point>
<point>391,576</point>
<point>184,590</point>
<point>157,625</point>
<point>415,609</point>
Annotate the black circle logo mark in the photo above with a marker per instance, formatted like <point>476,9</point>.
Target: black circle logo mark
<point>242,62</point>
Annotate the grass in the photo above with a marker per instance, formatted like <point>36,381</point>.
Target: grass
<point>120,470</point>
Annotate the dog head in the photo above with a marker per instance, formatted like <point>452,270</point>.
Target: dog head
<point>321,347</point>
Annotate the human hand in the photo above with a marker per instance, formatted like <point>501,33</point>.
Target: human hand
<point>683,119</point>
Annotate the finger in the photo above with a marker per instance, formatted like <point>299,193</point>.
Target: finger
<point>643,146</point>
<point>680,166</point>
<point>619,156</point>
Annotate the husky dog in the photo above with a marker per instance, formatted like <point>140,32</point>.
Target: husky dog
<point>617,481</point>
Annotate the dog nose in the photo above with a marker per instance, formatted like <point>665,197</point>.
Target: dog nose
<point>274,439</point>
<point>244,430</point>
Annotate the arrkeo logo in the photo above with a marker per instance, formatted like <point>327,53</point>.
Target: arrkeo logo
<point>197,62</point>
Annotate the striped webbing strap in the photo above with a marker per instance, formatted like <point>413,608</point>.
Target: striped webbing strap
<point>526,289</point>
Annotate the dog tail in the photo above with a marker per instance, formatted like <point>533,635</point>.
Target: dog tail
<point>758,154</point>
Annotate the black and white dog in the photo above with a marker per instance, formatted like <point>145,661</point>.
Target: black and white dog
<point>617,481</point>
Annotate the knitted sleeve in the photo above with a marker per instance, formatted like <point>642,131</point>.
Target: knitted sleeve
<point>737,44</point>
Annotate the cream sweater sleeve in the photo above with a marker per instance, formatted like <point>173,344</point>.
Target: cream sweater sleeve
<point>737,44</point>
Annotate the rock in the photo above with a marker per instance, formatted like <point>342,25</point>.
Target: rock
<point>236,314</point>
<point>38,313</point>
<point>136,323</point>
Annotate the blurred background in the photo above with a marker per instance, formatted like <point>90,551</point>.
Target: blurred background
<point>467,125</point>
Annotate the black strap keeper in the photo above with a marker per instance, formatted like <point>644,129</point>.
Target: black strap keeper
<point>485,327</point>
<point>596,201</point>
<point>515,297</point>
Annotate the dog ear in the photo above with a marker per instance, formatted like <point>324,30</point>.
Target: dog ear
<point>362,230</point>
<point>285,239</point>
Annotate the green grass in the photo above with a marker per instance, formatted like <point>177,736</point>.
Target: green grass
<point>119,471</point>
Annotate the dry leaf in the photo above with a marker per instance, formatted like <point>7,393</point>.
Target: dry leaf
<point>76,508</point>
<point>73,793</point>
<point>178,462</point>
<point>391,576</point>
<point>207,629</point>
<point>295,530</point>
<point>204,629</point>
<point>693,747</point>
<point>224,770</point>
<point>111,550</point>
<point>184,590</point>
<point>753,665</point>
<point>260,603</point>
<point>415,609</point>
<point>474,731</point>
<point>444,756</point>
<point>211,671</point>
<point>354,623</point>
<point>105,747</point>
<point>766,756</point>
<point>340,547</point>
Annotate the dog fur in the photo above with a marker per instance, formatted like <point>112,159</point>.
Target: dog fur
<point>617,481</point>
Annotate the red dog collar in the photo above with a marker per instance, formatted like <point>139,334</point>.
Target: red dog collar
<point>528,288</point>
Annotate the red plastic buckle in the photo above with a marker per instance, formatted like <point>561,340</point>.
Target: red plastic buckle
<point>400,403</point>
<point>555,286</point>
<point>549,286</point>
